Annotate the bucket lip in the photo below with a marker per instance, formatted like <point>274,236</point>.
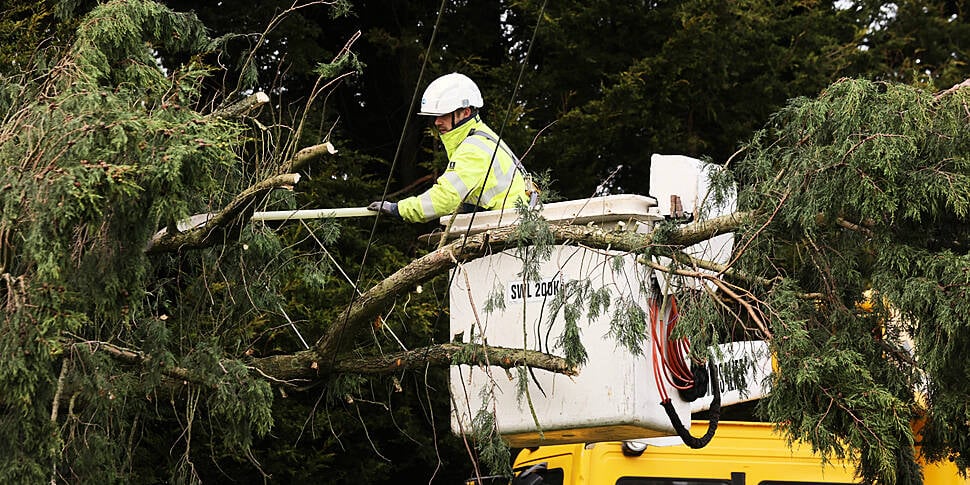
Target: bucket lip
<point>596,210</point>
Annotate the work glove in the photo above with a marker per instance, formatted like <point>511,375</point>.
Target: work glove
<point>385,207</point>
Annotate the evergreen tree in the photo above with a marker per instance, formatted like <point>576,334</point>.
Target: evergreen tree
<point>615,82</point>
<point>135,351</point>
<point>864,191</point>
<point>28,31</point>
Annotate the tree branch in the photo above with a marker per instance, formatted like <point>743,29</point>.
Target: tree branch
<point>323,357</point>
<point>307,365</point>
<point>303,157</point>
<point>303,367</point>
<point>242,107</point>
<point>754,313</point>
<point>721,269</point>
<point>202,227</point>
<point>965,83</point>
<point>136,357</point>
<point>373,301</point>
<point>854,227</point>
<point>427,178</point>
<point>201,235</point>
<point>447,354</point>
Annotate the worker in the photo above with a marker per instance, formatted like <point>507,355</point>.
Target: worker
<point>482,172</point>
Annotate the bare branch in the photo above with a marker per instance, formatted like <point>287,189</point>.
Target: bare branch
<point>719,268</point>
<point>964,84</point>
<point>56,406</point>
<point>242,107</point>
<point>447,354</point>
<point>277,19</point>
<point>303,157</point>
<point>136,357</point>
<point>303,367</point>
<point>854,227</point>
<point>421,180</point>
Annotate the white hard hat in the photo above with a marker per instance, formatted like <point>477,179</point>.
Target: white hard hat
<point>448,93</point>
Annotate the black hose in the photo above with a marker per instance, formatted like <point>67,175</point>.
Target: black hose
<point>697,389</point>
<point>715,411</point>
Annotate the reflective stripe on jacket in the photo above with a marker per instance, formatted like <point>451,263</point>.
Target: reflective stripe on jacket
<point>470,148</point>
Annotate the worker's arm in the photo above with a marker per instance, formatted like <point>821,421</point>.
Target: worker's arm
<point>459,182</point>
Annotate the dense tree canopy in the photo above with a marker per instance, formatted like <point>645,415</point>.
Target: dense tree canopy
<point>243,351</point>
<point>864,191</point>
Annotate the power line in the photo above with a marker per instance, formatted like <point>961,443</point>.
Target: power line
<point>387,182</point>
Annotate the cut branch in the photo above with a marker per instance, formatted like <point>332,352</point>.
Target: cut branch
<point>204,228</point>
<point>242,107</point>
<point>304,157</point>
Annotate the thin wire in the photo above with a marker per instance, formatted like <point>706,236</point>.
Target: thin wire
<point>293,326</point>
<point>397,152</point>
<point>508,112</point>
<point>331,258</point>
<point>387,183</point>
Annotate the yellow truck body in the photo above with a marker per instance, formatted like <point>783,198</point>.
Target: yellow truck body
<point>741,453</point>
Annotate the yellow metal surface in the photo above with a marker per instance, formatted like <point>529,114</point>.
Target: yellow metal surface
<point>753,449</point>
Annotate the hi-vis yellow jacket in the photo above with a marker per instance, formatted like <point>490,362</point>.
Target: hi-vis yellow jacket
<point>470,147</point>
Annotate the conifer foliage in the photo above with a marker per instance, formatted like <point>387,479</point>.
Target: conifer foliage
<point>98,152</point>
<point>861,199</point>
<point>852,261</point>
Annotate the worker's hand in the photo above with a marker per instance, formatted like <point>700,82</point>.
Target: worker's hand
<point>385,207</point>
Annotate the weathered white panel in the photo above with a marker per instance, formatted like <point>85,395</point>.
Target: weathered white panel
<point>615,395</point>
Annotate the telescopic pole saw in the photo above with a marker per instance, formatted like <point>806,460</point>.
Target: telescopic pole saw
<point>313,214</point>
